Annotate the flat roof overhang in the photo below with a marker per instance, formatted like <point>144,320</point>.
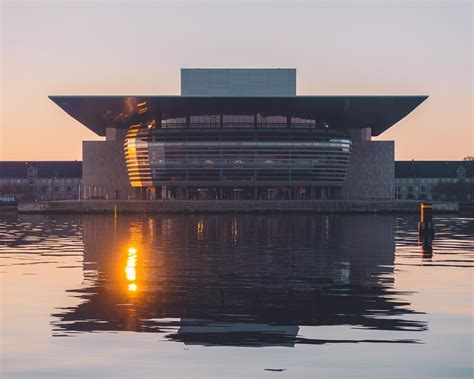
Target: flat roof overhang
<point>341,112</point>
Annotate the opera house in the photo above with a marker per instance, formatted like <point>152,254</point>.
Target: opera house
<point>238,134</point>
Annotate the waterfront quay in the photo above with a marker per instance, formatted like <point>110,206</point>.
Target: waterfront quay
<point>230,206</point>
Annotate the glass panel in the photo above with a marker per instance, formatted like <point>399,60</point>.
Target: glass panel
<point>173,122</point>
<point>239,121</point>
<point>205,121</point>
<point>297,122</point>
<point>271,121</point>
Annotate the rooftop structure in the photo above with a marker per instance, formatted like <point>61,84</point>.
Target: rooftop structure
<point>238,82</point>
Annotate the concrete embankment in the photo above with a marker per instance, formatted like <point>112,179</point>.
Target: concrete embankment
<point>229,206</point>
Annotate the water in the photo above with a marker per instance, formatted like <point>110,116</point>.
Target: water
<point>235,296</point>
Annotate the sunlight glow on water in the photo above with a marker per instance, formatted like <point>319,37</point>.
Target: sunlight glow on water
<point>194,296</point>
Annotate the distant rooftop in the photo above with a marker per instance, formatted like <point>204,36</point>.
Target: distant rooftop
<point>239,82</point>
<point>46,169</point>
<point>432,169</point>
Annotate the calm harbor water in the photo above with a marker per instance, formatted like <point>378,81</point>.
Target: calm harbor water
<point>235,296</point>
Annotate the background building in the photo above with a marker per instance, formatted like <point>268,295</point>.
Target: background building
<point>238,134</point>
<point>434,180</point>
<point>39,180</point>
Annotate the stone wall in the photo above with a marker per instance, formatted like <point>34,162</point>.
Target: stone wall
<point>371,173</point>
<point>104,172</point>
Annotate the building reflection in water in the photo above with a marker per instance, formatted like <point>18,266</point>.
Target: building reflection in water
<point>238,280</point>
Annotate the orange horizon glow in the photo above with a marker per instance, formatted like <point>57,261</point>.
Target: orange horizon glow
<point>394,48</point>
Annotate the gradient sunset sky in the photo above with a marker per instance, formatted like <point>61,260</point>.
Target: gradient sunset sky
<point>138,47</point>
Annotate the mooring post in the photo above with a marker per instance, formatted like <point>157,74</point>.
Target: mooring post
<point>425,225</point>
<point>115,211</point>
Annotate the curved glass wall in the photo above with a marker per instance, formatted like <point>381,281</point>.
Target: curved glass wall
<point>236,152</point>
<point>137,157</point>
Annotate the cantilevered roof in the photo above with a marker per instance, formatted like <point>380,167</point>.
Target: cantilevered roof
<point>341,112</point>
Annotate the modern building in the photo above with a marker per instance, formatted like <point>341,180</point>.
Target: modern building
<point>238,134</point>
<point>434,180</point>
<point>39,180</point>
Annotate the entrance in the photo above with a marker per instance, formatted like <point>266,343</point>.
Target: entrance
<point>272,194</point>
<point>237,193</point>
<point>204,194</point>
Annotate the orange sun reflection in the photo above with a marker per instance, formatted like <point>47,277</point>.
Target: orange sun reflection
<point>130,269</point>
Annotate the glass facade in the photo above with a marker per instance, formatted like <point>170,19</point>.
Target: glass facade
<point>237,157</point>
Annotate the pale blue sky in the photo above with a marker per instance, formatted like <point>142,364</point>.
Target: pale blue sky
<point>338,47</point>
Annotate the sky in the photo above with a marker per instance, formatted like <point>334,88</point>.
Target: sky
<point>138,47</point>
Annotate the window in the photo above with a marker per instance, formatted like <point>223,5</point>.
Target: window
<point>242,121</point>
<point>205,121</point>
<point>410,188</point>
<point>69,188</point>
<point>173,122</point>
<point>298,122</point>
<point>271,121</point>
<point>423,188</point>
<point>461,172</point>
